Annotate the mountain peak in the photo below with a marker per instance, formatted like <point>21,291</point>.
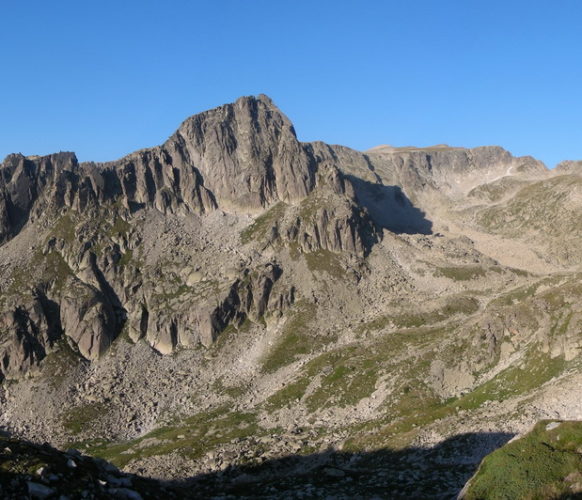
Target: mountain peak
<point>247,152</point>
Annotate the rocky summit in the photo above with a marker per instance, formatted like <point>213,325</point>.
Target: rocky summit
<point>237,313</point>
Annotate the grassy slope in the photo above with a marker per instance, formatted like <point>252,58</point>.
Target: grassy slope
<point>545,463</point>
<point>396,348</point>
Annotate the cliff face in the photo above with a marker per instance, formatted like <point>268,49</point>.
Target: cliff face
<point>29,186</point>
<point>247,153</point>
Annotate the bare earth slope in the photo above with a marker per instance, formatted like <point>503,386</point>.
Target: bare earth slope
<point>235,296</point>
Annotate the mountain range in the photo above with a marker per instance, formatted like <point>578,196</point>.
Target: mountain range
<point>235,308</point>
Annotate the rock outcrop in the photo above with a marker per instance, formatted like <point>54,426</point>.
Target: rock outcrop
<point>331,218</point>
<point>247,153</point>
<point>88,319</point>
<point>568,167</point>
<point>28,331</point>
<point>249,297</point>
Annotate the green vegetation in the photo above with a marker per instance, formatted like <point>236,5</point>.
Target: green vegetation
<point>22,461</point>
<point>563,295</point>
<point>461,273</point>
<point>60,363</point>
<point>288,395</point>
<point>233,391</point>
<point>191,438</point>
<point>325,261</point>
<point>19,462</point>
<point>455,305</point>
<point>520,272</point>
<point>98,230</point>
<point>259,229</point>
<point>52,267</point>
<point>78,418</point>
<point>310,206</point>
<point>56,270</point>
<point>538,207</point>
<point>345,375</point>
<point>546,463</point>
<point>126,258</point>
<point>348,377</point>
<point>64,228</point>
<point>296,339</point>
<point>495,191</point>
<point>516,295</point>
<point>225,337</point>
<point>416,404</point>
<point>536,369</point>
<point>119,227</point>
<point>560,325</point>
<point>180,292</point>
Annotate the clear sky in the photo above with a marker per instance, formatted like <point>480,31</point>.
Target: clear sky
<point>103,78</point>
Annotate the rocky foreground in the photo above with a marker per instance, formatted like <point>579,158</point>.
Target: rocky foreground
<point>239,312</point>
<point>40,471</point>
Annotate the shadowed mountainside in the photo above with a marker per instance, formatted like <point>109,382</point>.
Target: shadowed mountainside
<point>390,208</point>
<point>406,473</point>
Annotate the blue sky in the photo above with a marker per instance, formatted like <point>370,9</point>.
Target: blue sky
<point>104,78</point>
